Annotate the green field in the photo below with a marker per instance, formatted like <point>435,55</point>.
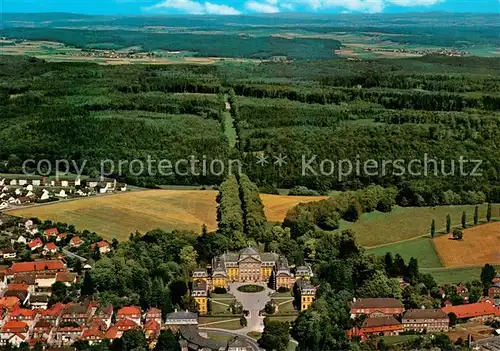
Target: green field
<point>420,248</point>
<point>403,223</point>
<point>455,275</point>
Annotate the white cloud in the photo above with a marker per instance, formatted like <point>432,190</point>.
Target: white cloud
<point>414,2</point>
<point>371,6</point>
<point>260,7</point>
<point>220,9</point>
<point>196,8</point>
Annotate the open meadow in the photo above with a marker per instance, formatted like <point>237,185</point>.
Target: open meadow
<point>116,216</point>
<point>376,228</point>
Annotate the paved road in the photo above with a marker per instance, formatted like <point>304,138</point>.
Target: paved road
<point>251,341</point>
<point>253,302</point>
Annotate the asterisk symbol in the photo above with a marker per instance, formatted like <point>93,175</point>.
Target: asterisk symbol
<point>280,160</point>
<point>262,160</point>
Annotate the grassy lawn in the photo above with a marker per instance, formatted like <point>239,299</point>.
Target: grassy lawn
<point>455,275</point>
<point>218,308</point>
<point>403,223</point>
<point>221,296</point>
<point>396,339</point>
<point>225,323</point>
<point>289,319</point>
<point>229,129</point>
<point>420,248</point>
<point>288,306</point>
<point>254,335</point>
<point>282,295</point>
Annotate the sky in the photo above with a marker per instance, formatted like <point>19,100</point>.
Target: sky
<point>236,7</point>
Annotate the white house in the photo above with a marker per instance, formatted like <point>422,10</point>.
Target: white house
<point>3,205</point>
<point>13,182</point>
<point>36,182</point>
<point>9,254</point>
<point>64,183</point>
<point>104,190</point>
<point>18,192</point>
<point>5,189</point>
<point>29,187</point>
<point>14,201</point>
<point>23,182</point>
<point>45,195</point>
<point>62,193</point>
<point>2,182</point>
<point>78,182</point>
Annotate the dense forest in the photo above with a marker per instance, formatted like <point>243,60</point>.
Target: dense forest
<point>442,108</point>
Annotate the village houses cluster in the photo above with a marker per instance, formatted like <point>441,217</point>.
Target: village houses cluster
<point>18,192</point>
<point>387,316</point>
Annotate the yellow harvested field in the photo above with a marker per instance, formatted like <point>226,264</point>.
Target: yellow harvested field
<point>276,206</point>
<point>116,216</point>
<point>480,245</point>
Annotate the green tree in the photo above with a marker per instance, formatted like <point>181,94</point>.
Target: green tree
<point>453,319</point>
<point>458,234</point>
<point>488,213</point>
<point>88,287</point>
<point>243,321</point>
<point>464,220</point>
<point>167,341</point>
<point>433,228</point>
<point>135,339</point>
<point>59,292</point>
<point>275,335</point>
<point>476,215</point>
<point>448,224</point>
<point>487,274</point>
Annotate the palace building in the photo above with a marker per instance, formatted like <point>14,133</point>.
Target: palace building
<point>249,265</point>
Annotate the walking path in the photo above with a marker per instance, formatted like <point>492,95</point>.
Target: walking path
<point>253,303</point>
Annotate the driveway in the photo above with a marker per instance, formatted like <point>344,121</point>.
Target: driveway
<point>253,302</point>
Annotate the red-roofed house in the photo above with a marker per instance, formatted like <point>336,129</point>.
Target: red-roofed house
<point>475,311</point>
<point>494,290</point>
<point>24,315</point>
<point>44,266</point>
<point>12,329</point>
<point>66,277</point>
<point>52,232</point>
<point>379,326</point>
<point>113,333</point>
<point>67,335</point>
<point>92,336</point>
<point>35,244</point>
<point>50,248</point>
<point>75,241</point>
<point>9,303</point>
<point>126,324</point>
<point>376,307</point>
<point>43,330</point>
<point>78,313</point>
<point>153,314</point>
<point>462,292</point>
<point>104,247</point>
<point>105,314</point>
<point>152,330</point>
<point>52,314</point>
<point>130,312</point>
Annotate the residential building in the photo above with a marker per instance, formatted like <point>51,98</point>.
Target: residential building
<point>50,248</point>
<point>494,291</point>
<point>130,312</point>
<point>35,244</point>
<point>76,241</point>
<point>78,313</point>
<point>462,292</point>
<point>153,314</point>
<point>66,277</point>
<point>11,329</point>
<point>376,307</point>
<point>200,295</point>
<point>307,293</point>
<point>480,311</point>
<point>104,247</point>
<point>92,336</point>
<point>8,254</point>
<point>378,326</point>
<point>430,320</point>
<point>496,279</point>
<point>46,266</point>
<point>51,232</point>
<point>67,335</point>
<point>43,330</point>
<point>177,319</point>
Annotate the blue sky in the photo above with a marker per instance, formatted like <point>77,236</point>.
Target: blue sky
<point>246,6</point>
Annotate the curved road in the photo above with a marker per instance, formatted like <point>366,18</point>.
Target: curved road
<point>251,341</point>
